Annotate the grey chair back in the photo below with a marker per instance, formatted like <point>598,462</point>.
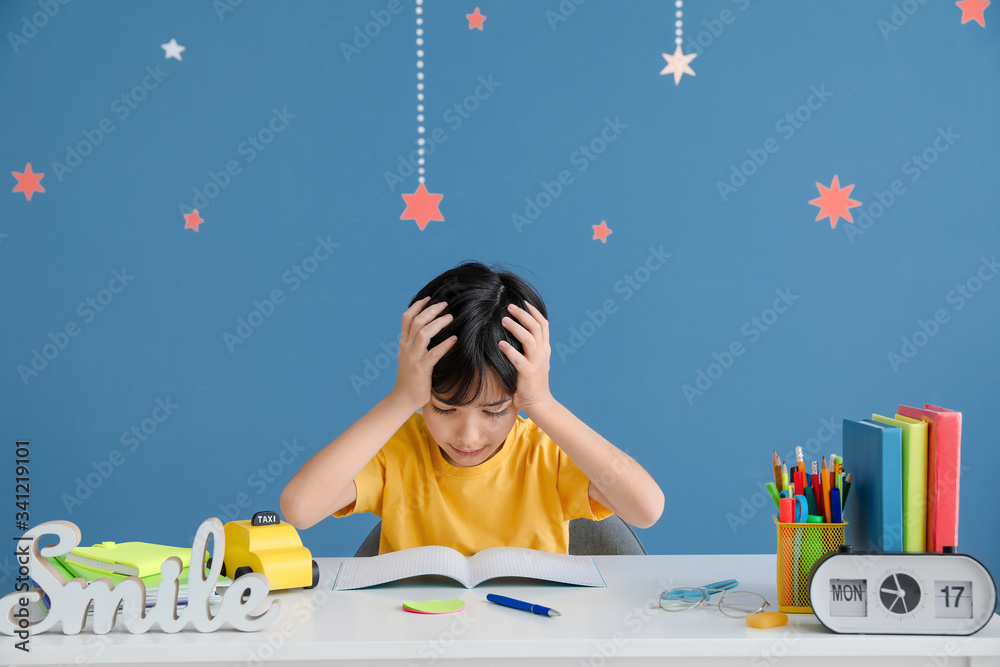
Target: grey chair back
<point>610,537</point>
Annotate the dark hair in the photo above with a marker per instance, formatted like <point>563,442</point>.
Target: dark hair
<point>477,297</point>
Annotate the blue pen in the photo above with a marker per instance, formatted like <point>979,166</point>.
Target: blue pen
<point>697,592</point>
<point>836,512</point>
<point>524,606</point>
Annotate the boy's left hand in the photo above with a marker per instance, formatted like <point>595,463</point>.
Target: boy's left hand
<point>532,330</point>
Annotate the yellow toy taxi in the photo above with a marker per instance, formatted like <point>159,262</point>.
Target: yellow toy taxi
<point>267,545</point>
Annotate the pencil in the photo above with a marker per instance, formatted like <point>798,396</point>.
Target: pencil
<point>825,476</point>
<point>776,464</point>
<point>784,476</point>
<point>818,493</point>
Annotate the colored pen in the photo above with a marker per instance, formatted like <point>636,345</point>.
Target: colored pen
<point>786,512</point>
<point>710,589</point>
<point>818,493</point>
<point>835,514</point>
<point>811,499</point>
<point>773,490</point>
<point>824,476</point>
<point>523,606</point>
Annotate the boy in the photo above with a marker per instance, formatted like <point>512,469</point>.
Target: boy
<point>467,471</point>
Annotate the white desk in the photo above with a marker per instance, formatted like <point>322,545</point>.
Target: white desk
<point>598,627</point>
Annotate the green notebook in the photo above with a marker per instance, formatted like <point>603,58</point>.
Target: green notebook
<point>135,559</point>
<point>71,570</point>
<point>914,480</point>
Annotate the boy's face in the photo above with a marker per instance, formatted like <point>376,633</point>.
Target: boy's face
<point>472,434</point>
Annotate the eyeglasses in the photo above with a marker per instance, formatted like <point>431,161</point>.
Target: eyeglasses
<point>735,604</point>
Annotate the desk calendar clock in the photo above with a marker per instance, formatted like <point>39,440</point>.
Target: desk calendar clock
<point>902,593</point>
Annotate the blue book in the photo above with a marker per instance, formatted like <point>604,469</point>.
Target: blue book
<point>873,453</point>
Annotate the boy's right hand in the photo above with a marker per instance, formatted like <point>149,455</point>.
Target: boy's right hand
<point>416,362</point>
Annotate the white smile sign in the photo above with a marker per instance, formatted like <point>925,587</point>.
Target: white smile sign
<point>70,600</point>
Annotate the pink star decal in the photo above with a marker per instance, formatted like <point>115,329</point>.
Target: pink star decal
<point>601,231</point>
<point>422,207</point>
<point>476,20</point>
<point>834,202</point>
<point>972,10</point>
<point>192,220</point>
<point>28,182</point>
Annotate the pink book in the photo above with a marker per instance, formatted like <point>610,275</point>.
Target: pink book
<point>944,455</point>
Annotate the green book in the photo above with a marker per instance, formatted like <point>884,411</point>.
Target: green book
<point>72,571</point>
<point>914,480</point>
<point>135,559</point>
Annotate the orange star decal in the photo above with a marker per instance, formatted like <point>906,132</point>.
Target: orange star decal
<point>28,182</point>
<point>422,207</point>
<point>192,220</point>
<point>972,10</point>
<point>601,231</point>
<point>834,202</point>
<point>475,19</point>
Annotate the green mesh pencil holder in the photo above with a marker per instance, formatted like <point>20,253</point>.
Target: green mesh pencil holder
<point>800,545</point>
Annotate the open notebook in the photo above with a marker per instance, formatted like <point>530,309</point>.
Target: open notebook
<point>469,571</point>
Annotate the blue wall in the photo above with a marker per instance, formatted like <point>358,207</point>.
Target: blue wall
<point>339,117</point>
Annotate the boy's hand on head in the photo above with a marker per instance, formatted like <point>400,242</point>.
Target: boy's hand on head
<point>416,362</point>
<point>532,329</point>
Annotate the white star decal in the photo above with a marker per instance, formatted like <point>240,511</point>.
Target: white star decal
<point>677,64</point>
<point>172,49</point>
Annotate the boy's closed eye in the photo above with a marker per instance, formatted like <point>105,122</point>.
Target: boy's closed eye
<point>494,415</point>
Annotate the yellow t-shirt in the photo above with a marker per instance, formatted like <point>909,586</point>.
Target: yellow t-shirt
<point>522,497</point>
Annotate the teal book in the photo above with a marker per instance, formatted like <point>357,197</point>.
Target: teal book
<point>873,453</point>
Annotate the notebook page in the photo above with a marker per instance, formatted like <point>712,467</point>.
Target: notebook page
<point>519,562</point>
<point>374,570</point>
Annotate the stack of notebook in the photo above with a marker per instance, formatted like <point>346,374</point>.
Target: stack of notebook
<point>137,559</point>
<point>905,478</point>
